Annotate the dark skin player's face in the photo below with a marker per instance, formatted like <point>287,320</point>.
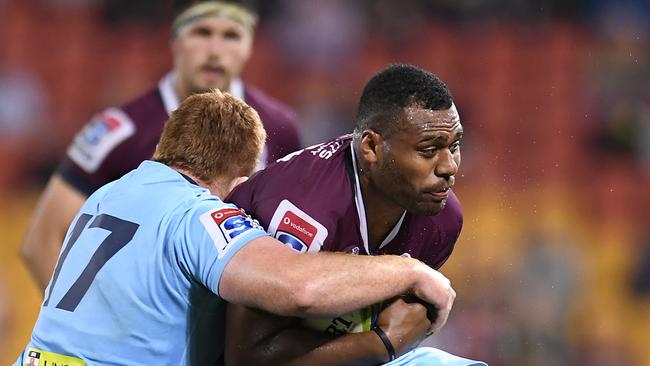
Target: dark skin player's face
<point>417,164</point>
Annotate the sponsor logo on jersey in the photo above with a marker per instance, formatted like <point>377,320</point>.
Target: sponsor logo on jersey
<point>232,222</point>
<point>297,229</point>
<point>99,128</point>
<point>100,136</point>
<point>292,241</point>
<point>293,223</point>
<point>326,150</point>
<point>33,358</point>
<point>37,357</point>
<point>226,224</point>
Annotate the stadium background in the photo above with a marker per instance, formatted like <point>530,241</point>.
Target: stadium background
<point>553,266</point>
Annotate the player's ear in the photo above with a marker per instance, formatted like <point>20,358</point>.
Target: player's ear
<point>370,147</point>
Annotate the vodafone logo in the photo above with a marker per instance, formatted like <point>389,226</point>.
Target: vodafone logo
<point>111,122</point>
<point>295,225</point>
<point>225,225</point>
<point>221,215</point>
<point>287,221</point>
<point>230,222</point>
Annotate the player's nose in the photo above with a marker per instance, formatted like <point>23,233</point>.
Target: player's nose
<point>215,46</point>
<point>445,165</point>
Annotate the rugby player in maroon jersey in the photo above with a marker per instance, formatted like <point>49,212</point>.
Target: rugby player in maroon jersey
<point>210,46</point>
<point>385,189</point>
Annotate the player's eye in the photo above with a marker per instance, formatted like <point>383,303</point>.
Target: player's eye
<point>428,152</point>
<point>202,31</point>
<point>454,147</point>
<point>232,35</point>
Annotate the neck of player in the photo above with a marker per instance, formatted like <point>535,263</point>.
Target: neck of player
<point>382,214</point>
<point>183,89</point>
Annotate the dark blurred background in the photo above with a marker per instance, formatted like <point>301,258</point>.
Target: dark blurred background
<point>553,266</point>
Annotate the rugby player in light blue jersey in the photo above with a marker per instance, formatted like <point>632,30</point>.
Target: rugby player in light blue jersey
<point>150,258</point>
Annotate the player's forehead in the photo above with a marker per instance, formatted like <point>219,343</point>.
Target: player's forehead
<point>421,120</point>
<point>214,23</point>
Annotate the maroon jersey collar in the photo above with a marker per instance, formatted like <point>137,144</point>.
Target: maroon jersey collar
<point>361,209</point>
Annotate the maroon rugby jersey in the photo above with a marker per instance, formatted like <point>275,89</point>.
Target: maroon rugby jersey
<point>311,200</point>
<point>117,140</point>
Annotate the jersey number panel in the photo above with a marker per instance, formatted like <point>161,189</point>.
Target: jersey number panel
<point>121,233</point>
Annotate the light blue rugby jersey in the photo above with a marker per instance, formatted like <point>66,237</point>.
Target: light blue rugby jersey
<point>136,279</point>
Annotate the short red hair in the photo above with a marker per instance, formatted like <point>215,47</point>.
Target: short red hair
<point>212,135</point>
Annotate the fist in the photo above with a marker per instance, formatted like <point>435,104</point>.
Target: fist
<point>406,324</point>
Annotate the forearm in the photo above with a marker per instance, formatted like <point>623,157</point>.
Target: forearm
<point>351,349</point>
<point>42,243</point>
<point>347,283</point>
<point>258,338</point>
<point>300,347</point>
<point>314,285</point>
<point>40,260</point>
<point>255,337</point>
<point>40,247</point>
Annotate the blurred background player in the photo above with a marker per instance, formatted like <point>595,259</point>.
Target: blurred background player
<point>211,43</point>
<point>386,189</point>
<point>147,253</point>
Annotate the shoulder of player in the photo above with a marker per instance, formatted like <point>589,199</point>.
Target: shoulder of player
<point>312,162</point>
<point>208,211</point>
<point>130,118</point>
<point>188,208</point>
<point>131,113</point>
<point>320,168</point>
<point>145,107</point>
<point>271,110</point>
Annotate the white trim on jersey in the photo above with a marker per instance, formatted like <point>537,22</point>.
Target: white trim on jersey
<point>361,210</point>
<point>166,88</point>
<point>237,88</point>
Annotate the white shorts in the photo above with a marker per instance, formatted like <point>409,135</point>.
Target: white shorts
<point>429,356</point>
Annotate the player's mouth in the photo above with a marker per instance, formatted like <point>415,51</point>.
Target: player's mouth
<point>213,72</point>
<point>439,193</point>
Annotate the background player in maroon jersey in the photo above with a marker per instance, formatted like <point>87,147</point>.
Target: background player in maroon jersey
<point>386,189</point>
<point>210,46</point>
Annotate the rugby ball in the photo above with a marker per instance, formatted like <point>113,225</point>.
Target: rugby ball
<point>354,322</point>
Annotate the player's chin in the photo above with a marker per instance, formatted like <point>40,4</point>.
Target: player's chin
<point>428,208</point>
<point>205,85</point>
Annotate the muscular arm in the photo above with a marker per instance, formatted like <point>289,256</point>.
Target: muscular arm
<point>55,210</point>
<point>255,337</point>
<point>268,275</point>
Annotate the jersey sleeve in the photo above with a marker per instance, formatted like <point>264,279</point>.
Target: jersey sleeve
<point>93,155</point>
<point>211,236</point>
